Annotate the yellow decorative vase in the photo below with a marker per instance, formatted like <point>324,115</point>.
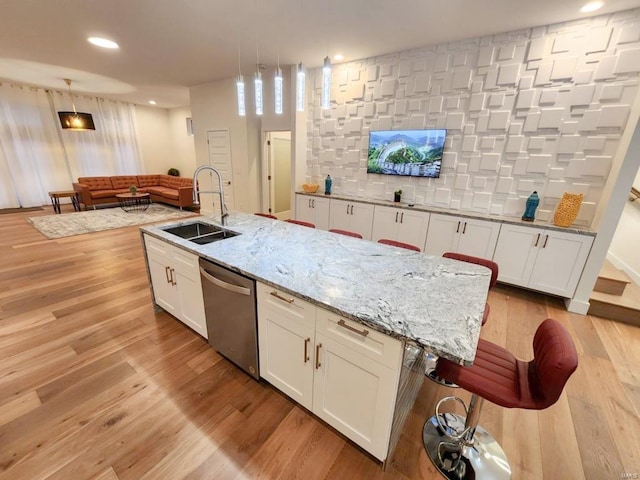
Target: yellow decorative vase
<point>567,209</point>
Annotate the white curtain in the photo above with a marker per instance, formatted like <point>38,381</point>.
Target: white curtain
<point>37,156</point>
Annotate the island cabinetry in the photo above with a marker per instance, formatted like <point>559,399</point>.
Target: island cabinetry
<point>175,279</point>
<point>449,233</point>
<point>544,260</point>
<point>314,210</point>
<point>403,225</point>
<point>342,371</point>
<point>352,216</point>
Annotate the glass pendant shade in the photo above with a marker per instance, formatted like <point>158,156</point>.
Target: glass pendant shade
<point>300,88</point>
<point>277,82</point>
<point>76,121</point>
<point>326,84</point>
<point>257,82</point>
<point>240,88</point>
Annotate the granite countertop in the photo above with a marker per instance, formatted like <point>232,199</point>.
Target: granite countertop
<point>457,213</point>
<point>435,302</point>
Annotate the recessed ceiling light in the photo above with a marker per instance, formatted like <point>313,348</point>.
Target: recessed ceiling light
<point>102,42</point>
<point>152,102</point>
<point>338,57</point>
<point>592,7</point>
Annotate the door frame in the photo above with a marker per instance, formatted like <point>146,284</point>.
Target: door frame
<point>267,174</point>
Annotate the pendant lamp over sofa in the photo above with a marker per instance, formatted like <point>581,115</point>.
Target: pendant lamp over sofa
<point>75,120</point>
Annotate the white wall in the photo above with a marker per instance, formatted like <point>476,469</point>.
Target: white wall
<point>154,137</point>
<point>538,109</point>
<point>184,149</point>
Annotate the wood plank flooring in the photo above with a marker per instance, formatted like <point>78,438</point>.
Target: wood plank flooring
<point>96,385</point>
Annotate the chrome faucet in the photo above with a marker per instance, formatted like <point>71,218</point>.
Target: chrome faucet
<point>224,213</point>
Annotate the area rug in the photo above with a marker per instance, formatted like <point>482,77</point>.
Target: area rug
<point>69,224</point>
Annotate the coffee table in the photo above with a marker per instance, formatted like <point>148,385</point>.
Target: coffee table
<point>58,194</point>
<point>133,202</point>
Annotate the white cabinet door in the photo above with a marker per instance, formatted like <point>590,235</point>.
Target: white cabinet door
<point>304,211</point>
<point>320,207</point>
<point>443,234</point>
<point>340,216</point>
<point>286,355</point>
<point>516,253</point>
<point>385,223</point>
<point>164,292</point>
<point>478,237</point>
<point>413,227</point>
<point>354,395</point>
<point>361,219</point>
<point>559,263</point>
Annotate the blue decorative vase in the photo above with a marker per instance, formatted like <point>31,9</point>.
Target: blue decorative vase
<point>530,210</point>
<point>327,185</point>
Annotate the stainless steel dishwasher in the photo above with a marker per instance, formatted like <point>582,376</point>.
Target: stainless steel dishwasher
<point>230,308</point>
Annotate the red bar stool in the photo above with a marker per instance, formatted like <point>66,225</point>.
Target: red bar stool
<point>345,232</point>
<point>395,243</point>
<point>457,446</point>
<point>266,215</point>
<point>300,222</point>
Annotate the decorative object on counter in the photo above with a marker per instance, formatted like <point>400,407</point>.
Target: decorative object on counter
<point>568,208</point>
<point>530,210</point>
<point>133,189</point>
<point>327,185</point>
<point>174,172</point>
<point>310,187</point>
<point>397,195</point>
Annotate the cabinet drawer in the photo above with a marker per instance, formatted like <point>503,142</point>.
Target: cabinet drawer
<point>154,245</point>
<point>287,305</point>
<point>360,338</point>
<point>185,262</point>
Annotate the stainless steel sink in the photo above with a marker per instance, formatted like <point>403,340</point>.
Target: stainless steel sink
<point>200,233</point>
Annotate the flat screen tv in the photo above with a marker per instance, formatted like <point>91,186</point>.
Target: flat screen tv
<point>416,153</point>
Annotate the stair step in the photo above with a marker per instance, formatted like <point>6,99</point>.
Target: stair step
<point>611,280</point>
<point>624,308</point>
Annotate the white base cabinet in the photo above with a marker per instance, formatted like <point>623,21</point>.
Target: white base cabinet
<point>352,216</point>
<point>342,371</point>
<point>314,210</point>
<point>175,279</point>
<point>448,233</point>
<point>400,224</point>
<point>544,260</point>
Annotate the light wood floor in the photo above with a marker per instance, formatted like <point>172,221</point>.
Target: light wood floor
<point>95,385</point>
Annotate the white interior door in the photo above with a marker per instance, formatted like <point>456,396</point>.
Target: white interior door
<point>277,180</point>
<point>219,157</point>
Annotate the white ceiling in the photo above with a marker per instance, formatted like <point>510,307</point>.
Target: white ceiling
<point>167,46</point>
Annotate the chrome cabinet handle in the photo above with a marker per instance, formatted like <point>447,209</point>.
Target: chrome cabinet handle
<point>464,230</point>
<point>318,364</point>
<point>288,300</point>
<point>166,272</point>
<point>347,209</point>
<point>458,229</point>
<point>546,238</point>
<point>362,332</point>
<point>351,209</point>
<point>173,278</point>
<point>401,217</point>
<point>313,203</point>
<point>396,217</point>
<point>537,240</point>
<point>309,203</point>
<point>306,344</point>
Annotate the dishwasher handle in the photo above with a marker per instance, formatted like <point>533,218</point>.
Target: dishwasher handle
<point>227,286</point>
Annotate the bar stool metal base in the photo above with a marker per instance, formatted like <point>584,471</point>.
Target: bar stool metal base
<point>484,459</point>
<point>430,372</point>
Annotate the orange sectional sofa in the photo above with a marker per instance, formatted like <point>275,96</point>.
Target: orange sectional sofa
<point>177,191</point>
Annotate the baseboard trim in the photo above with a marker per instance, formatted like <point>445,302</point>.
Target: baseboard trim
<point>576,306</point>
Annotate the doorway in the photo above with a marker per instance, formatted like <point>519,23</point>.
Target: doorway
<point>219,148</point>
<point>277,179</point>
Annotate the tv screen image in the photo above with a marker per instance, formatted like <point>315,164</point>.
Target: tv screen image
<point>416,153</point>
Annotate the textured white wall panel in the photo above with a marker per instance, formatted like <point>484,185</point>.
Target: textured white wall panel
<point>541,109</point>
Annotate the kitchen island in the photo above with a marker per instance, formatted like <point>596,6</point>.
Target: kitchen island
<point>364,313</point>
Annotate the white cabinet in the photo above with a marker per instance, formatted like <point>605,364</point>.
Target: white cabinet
<point>448,233</point>
<point>175,278</point>
<point>314,210</point>
<point>403,225</point>
<point>544,260</point>
<point>352,216</point>
<point>344,372</point>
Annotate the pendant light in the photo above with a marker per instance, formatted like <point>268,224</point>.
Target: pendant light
<point>240,84</point>
<point>326,84</point>
<point>277,82</point>
<point>300,88</point>
<point>75,120</point>
<point>257,83</point>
